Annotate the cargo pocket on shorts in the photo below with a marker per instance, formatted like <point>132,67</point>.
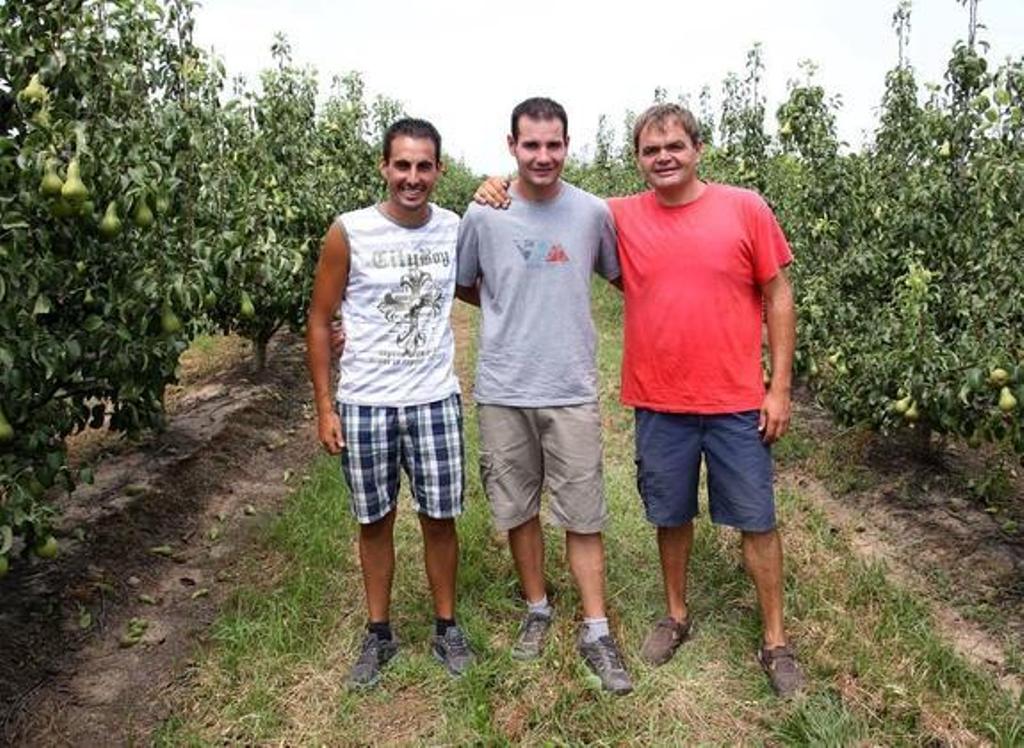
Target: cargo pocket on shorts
<point>492,468</point>
<point>493,472</point>
<point>486,462</point>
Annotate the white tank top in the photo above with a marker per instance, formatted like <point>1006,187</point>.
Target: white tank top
<point>399,348</point>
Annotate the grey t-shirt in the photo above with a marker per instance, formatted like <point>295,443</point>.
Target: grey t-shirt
<point>534,261</point>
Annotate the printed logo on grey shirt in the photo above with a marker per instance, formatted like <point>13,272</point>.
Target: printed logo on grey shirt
<point>541,252</point>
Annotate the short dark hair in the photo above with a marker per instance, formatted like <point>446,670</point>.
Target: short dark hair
<point>659,115</point>
<point>539,107</point>
<point>413,128</point>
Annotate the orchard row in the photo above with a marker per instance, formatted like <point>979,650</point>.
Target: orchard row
<point>909,252</point>
<point>144,199</point>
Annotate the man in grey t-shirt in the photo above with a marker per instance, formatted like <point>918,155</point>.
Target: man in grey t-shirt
<point>529,269</point>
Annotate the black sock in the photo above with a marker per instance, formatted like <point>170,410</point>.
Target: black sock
<point>380,629</point>
<point>441,625</point>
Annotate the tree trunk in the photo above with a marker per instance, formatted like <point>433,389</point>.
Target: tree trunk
<point>260,347</point>
<point>922,440</point>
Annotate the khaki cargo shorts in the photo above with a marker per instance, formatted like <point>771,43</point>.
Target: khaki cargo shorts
<point>521,449</point>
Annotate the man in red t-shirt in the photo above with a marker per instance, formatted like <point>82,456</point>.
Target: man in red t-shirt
<point>702,265</point>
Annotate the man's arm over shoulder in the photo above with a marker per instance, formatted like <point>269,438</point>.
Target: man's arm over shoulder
<point>493,191</point>
<point>329,286</point>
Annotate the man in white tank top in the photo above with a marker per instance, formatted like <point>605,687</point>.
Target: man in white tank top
<point>397,405</point>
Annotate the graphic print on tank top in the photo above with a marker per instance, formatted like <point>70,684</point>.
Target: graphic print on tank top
<point>541,252</point>
<point>410,307</point>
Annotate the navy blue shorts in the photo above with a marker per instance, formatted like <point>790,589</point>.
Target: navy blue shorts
<point>669,447</point>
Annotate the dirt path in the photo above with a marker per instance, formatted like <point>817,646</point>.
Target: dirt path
<point>914,514</point>
<point>156,538</point>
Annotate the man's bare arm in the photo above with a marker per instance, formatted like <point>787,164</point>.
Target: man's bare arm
<point>780,314</point>
<point>328,289</point>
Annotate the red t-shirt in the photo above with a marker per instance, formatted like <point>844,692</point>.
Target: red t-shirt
<point>692,277</point>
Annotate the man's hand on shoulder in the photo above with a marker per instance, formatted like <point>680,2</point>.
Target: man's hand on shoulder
<point>776,411</point>
<point>493,191</point>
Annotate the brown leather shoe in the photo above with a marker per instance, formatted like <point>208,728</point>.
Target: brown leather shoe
<point>783,670</point>
<point>664,640</point>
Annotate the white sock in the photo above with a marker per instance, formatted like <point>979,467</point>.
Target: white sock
<point>594,629</point>
<point>541,607</point>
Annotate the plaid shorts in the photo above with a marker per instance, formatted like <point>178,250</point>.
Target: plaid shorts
<point>424,440</point>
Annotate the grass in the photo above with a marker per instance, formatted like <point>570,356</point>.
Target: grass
<point>879,672</point>
<point>206,356</point>
<point>210,354</point>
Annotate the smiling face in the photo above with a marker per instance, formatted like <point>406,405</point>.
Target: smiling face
<point>539,150</point>
<point>411,172</point>
<point>668,158</point>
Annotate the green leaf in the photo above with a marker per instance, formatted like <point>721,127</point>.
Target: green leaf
<point>42,305</point>
<point>55,460</point>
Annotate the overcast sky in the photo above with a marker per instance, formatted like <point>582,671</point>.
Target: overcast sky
<point>464,65</point>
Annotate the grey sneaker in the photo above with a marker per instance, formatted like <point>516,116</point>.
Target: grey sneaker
<point>533,632</point>
<point>453,651</point>
<point>664,640</point>
<point>605,663</point>
<point>374,655</point>
<point>783,670</point>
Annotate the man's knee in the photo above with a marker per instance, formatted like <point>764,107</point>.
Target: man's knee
<point>379,529</point>
<point>584,538</point>
<point>438,529</point>
<point>762,546</point>
<point>758,537</point>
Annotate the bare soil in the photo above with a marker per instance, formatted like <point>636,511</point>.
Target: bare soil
<point>157,537</point>
<point>915,511</point>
